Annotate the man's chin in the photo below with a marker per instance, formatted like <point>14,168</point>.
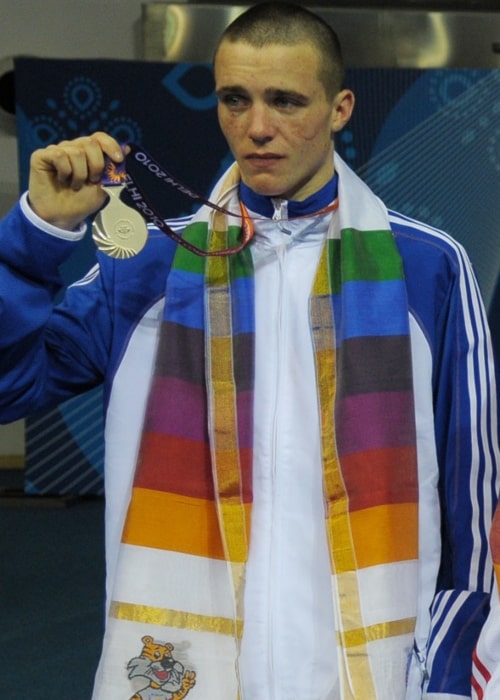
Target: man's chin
<point>266,189</point>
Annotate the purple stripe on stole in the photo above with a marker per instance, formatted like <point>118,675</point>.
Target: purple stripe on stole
<point>174,409</point>
<point>244,402</point>
<point>371,421</point>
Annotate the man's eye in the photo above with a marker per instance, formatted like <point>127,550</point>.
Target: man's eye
<point>286,102</point>
<point>233,100</point>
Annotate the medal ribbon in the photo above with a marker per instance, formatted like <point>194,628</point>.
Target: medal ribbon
<point>115,174</point>
<point>143,206</point>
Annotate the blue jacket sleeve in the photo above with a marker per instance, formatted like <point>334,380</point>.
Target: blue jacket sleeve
<point>444,296</point>
<point>47,353</point>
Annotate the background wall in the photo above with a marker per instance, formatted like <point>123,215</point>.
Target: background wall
<point>59,29</point>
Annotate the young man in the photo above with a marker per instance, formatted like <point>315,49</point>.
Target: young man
<point>301,437</point>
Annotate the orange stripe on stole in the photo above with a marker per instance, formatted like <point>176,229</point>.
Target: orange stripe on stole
<point>173,522</point>
<point>372,532</point>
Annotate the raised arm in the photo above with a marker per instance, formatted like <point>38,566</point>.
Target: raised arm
<point>49,353</point>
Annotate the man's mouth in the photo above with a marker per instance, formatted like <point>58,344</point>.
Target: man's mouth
<point>263,158</point>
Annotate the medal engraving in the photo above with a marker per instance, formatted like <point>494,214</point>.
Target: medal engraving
<point>118,230</point>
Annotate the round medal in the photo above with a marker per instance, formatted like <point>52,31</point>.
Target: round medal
<point>118,230</point>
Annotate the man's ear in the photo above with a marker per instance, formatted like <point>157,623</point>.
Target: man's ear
<point>343,106</point>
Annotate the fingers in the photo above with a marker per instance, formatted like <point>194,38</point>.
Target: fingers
<point>64,182</point>
<point>78,162</point>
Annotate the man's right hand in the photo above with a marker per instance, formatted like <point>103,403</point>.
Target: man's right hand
<point>64,181</point>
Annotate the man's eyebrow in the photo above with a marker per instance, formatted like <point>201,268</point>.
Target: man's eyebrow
<point>269,93</point>
<point>230,89</point>
<point>283,92</point>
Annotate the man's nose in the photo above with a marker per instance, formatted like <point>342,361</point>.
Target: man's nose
<point>261,124</point>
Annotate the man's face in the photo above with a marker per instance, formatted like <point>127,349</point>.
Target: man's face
<point>276,117</point>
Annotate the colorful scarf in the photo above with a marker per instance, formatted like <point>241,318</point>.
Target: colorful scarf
<point>176,618</point>
<point>495,545</point>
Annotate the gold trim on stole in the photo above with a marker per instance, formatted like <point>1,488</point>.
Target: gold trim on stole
<point>178,619</point>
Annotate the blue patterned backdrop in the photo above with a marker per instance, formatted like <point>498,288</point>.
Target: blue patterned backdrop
<point>427,141</point>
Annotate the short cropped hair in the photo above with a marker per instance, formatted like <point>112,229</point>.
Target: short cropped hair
<point>288,24</point>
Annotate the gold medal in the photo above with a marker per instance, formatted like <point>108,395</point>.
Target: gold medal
<point>118,230</point>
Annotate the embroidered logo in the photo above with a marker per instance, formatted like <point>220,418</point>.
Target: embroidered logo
<point>167,678</point>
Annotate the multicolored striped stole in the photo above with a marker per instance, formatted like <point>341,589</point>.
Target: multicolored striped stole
<point>495,545</point>
<point>180,578</point>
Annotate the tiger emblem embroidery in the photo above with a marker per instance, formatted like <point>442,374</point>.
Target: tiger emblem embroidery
<point>167,679</point>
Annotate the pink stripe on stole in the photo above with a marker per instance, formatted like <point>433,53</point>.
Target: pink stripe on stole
<point>176,465</point>
<point>495,539</point>
<point>380,477</point>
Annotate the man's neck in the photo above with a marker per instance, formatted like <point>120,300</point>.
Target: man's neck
<point>266,206</point>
